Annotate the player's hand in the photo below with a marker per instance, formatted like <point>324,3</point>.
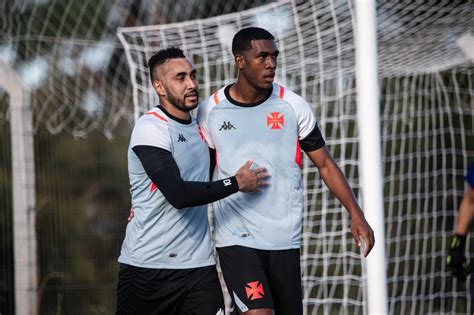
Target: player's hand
<point>360,228</point>
<point>455,260</point>
<point>251,180</point>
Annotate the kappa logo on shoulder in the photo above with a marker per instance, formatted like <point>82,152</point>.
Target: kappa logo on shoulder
<point>227,125</point>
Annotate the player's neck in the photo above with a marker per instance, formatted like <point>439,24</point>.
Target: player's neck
<point>174,111</point>
<point>244,92</point>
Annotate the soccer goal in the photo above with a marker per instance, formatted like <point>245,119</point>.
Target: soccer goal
<point>427,130</point>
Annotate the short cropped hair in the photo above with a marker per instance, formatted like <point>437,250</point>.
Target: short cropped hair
<point>161,56</point>
<point>242,39</point>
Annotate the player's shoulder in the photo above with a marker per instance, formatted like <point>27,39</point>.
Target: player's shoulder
<point>292,98</point>
<point>152,128</point>
<point>154,115</point>
<point>212,101</point>
<point>470,175</point>
<point>153,119</point>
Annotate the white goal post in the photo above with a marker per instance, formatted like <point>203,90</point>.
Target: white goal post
<point>368,119</point>
<point>24,192</point>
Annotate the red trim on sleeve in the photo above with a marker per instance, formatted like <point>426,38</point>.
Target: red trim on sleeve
<point>282,92</point>
<point>157,115</point>
<point>298,159</point>
<point>216,98</point>
<point>153,187</point>
<point>202,135</point>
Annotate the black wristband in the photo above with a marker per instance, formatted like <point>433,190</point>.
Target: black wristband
<point>230,185</point>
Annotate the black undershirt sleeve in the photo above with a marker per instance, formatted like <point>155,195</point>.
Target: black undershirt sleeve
<point>313,141</point>
<point>162,169</point>
<point>212,166</point>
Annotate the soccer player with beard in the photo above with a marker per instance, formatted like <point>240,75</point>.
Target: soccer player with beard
<point>258,237</point>
<point>166,262</point>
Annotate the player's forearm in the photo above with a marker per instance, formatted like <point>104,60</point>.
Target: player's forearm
<point>190,194</point>
<point>335,180</point>
<point>161,168</point>
<point>465,213</point>
<point>338,185</point>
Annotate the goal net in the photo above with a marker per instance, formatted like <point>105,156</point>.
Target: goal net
<point>426,89</point>
<point>67,54</point>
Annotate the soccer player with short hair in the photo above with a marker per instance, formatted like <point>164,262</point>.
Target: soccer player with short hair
<point>258,237</point>
<point>166,262</point>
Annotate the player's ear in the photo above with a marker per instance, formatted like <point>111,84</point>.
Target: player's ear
<point>240,61</point>
<point>159,88</point>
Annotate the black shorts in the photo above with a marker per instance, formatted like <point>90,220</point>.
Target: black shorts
<point>169,291</point>
<point>263,278</point>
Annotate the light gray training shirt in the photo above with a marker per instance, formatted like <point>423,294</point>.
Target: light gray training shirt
<point>268,133</point>
<point>161,236</point>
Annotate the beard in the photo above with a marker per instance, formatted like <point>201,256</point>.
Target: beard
<point>180,102</point>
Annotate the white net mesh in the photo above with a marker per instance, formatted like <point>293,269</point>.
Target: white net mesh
<point>63,51</point>
<point>67,53</point>
<point>427,131</point>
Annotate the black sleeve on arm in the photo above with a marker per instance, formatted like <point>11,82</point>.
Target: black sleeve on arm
<point>161,167</point>
<point>212,165</point>
<point>313,141</point>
